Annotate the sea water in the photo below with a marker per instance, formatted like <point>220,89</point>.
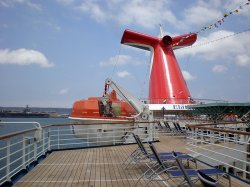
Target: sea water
<point>6,128</point>
<point>11,128</point>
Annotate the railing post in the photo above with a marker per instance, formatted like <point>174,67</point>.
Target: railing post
<point>24,152</point>
<point>49,145</point>
<point>192,135</point>
<point>196,138</point>
<point>8,161</point>
<point>87,135</point>
<point>244,164</point>
<point>58,138</point>
<point>35,150</point>
<point>29,156</point>
<point>43,142</point>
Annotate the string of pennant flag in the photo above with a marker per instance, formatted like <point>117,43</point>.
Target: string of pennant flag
<point>216,24</point>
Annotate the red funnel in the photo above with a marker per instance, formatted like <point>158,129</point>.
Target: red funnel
<point>166,84</point>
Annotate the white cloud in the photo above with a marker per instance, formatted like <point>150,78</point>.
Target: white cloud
<point>201,14</point>
<point>120,60</point>
<point>229,49</point>
<point>94,9</point>
<point>54,26</point>
<point>204,13</point>
<point>10,3</point>
<point>187,76</point>
<point>65,2</point>
<point>24,57</point>
<point>63,91</point>
<point>232,5</point>
<point>123,74</point>
<point>219,68</point>
<point>243,60</point>
<point>147,14</point>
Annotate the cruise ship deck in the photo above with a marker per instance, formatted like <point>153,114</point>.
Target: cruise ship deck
<point>102,166</point>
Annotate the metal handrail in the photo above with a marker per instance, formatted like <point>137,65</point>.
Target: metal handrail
<point>203,137</point>
<point>217,160</point>
<point>181,101</point>
<point>59,125</point>
<point>29,149</point>
<point>226,131</point>
<point>221,153</point>
<point>216,137</point>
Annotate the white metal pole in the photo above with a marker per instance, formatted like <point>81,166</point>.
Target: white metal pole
<point>24,152</point>
<point>49,145</point>
<point>35,150</point>
<point>58,138</point>
<point>8,160</point>
<point>43,142</point>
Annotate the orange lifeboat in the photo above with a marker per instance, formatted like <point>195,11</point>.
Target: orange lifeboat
<point>108,108</point>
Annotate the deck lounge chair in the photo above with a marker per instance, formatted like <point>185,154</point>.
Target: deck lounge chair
<point>169,129</point>
<point>144,154</point>
<point>161,165</point>
<point>202,174</point>
<point>206,180</point>
<point>183,131</point>
<point>190,176</point>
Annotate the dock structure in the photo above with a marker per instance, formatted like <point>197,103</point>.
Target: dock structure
<point>101,166</point>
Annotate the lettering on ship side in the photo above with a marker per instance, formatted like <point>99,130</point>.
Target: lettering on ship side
<point>179,107</point>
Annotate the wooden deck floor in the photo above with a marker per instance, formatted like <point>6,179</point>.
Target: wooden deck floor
<point>95,167</point>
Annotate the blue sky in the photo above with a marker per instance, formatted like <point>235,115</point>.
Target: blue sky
<point>53,52</point>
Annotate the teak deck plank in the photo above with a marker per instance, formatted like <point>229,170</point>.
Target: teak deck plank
<point>59,179</point>
<point>107,169</point>
<point>97,167</point>
<point>87,169</point>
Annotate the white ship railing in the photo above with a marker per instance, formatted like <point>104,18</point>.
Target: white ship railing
<point>180,101</point>
<point>20,151</point>
<point>225,145</point>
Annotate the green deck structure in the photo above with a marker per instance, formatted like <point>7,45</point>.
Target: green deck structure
<point>219,110</point>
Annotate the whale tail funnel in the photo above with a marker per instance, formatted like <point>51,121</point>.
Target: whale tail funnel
<point>166,84</point>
